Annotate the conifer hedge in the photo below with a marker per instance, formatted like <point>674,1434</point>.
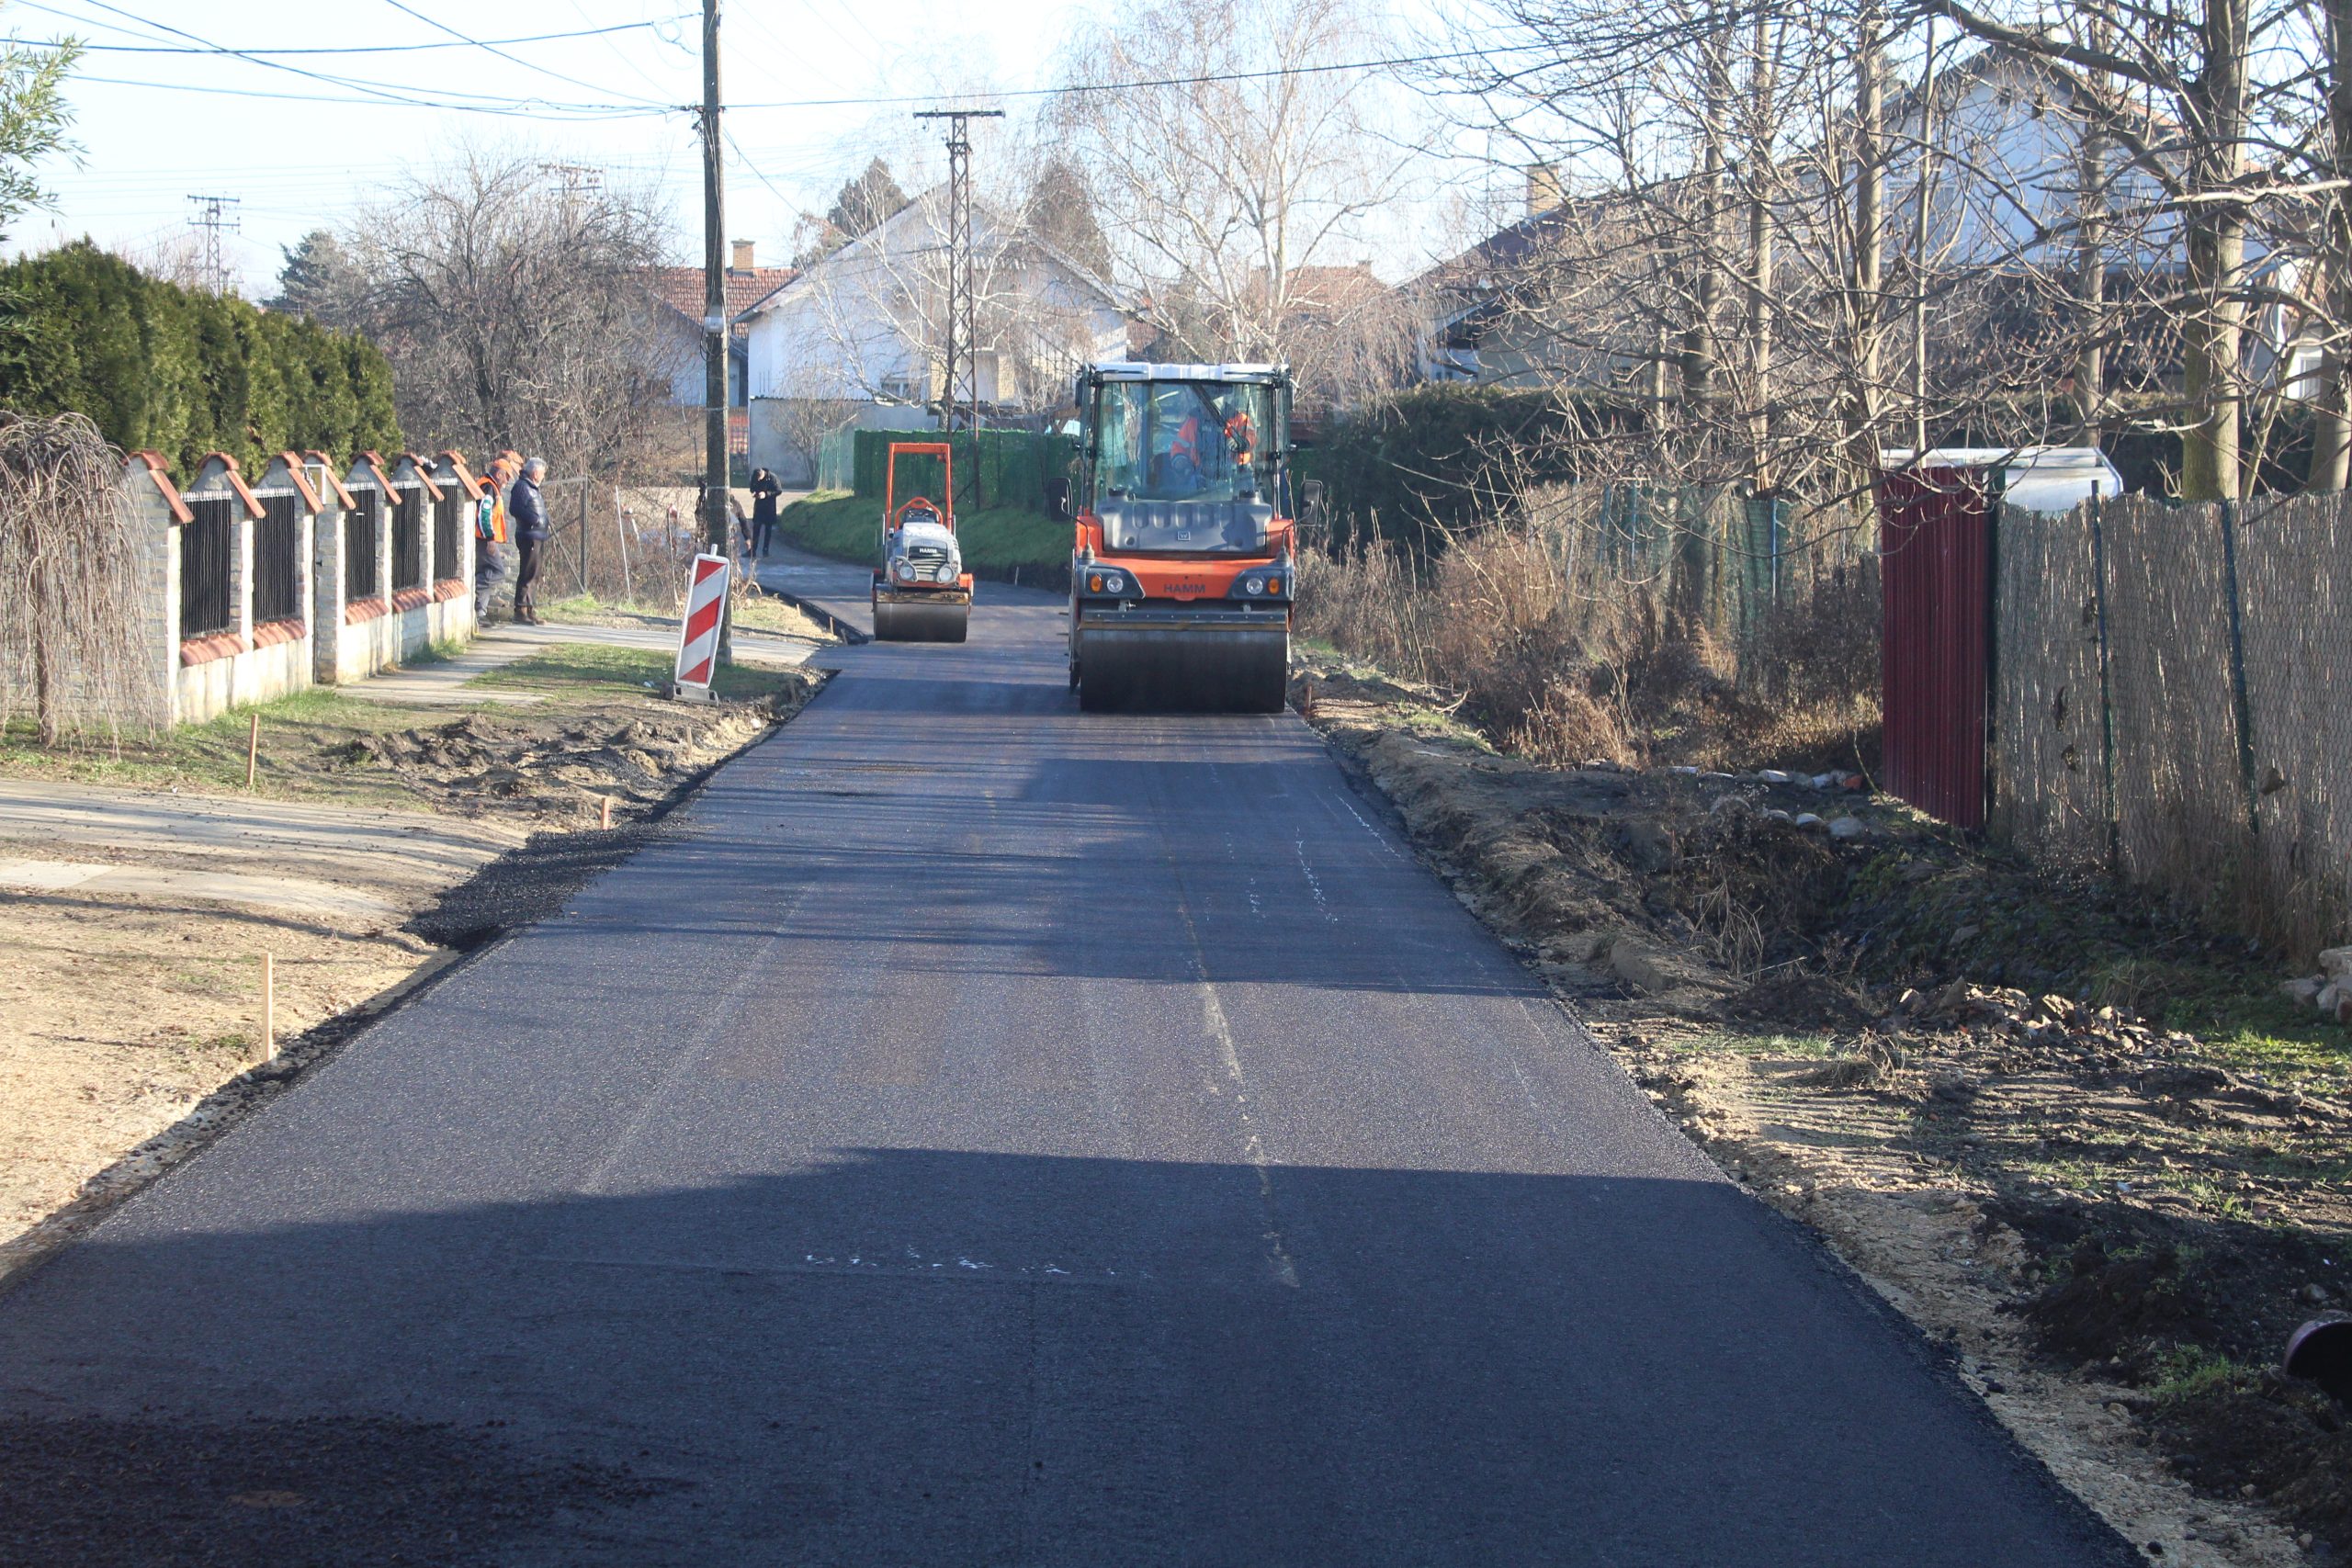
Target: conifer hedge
<point>185,373</point>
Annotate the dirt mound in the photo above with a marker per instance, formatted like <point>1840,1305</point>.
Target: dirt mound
<point>560,769</point>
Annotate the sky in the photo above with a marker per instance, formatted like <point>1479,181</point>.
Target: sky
<point>330,149</point>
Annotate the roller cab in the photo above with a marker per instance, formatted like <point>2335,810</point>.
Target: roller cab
<point>1184,562</point>
<point>922,592</point>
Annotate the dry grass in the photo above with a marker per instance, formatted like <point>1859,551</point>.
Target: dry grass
<point>1563,662</point>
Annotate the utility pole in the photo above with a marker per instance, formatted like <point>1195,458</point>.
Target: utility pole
<point>714,298</point>
<point>963,309</point>
<point>212,218</point>
<point>577,179</point>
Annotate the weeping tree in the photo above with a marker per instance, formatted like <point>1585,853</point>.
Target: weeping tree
<point>68,614</point>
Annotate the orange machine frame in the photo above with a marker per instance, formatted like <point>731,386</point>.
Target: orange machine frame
<point>942,451</point>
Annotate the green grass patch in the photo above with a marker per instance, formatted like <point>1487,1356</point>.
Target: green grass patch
<point>2187,1372</point>
<point>762,613</point>
<point>599,669</point>
<point>2239,1013</point>
<point>997,540</point>
<point>211,757</point>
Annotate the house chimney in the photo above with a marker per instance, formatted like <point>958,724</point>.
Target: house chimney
<point>743,262</point>
<point>1542,187</point>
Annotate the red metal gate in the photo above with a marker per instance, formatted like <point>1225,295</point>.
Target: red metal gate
<point>1936,543</point>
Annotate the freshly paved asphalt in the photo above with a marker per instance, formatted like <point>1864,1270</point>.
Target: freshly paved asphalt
<point>989,1134</point>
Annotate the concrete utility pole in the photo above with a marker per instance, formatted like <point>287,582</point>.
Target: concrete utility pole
<point>713,295</point>
<point>963,309</point>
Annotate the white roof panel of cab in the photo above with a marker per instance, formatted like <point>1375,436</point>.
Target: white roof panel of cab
<point>1140,370</point>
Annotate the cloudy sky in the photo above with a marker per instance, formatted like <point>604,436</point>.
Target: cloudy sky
<point>400,86</point>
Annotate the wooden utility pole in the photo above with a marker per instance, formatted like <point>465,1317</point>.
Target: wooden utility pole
<point>714,298</point>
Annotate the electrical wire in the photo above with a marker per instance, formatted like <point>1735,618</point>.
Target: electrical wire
<point>563,114</point>
<point>334,49</point>
<point>1271,73</point>
<point>349,85</point>
<point>408,10</point>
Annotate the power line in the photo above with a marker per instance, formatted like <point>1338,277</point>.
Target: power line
<point>538,108</point>
<point>408,10</point>
<point>1272,74</point>
<point>348,84</point>
<point>322,49</point>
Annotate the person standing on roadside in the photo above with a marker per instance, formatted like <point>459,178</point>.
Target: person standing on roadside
<point>764,491</point>
<point>490,530</point>
<point>530,516</point>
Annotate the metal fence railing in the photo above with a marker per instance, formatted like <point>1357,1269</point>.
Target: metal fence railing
<point>408,537</point>
<point>449,536</point>
<point>207,545</point>
<point>277,559</point>
<point>363,541</point>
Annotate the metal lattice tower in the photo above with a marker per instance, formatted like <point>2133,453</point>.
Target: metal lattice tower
<point>213,217</point>
<point>963,389</point>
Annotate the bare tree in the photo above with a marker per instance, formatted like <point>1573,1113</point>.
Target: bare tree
<point>514,313</point>
<point>2198,97</point>
<point>1232,195</point>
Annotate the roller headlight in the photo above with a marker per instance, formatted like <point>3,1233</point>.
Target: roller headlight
<point>902,571</point>
<point>1254,585</point>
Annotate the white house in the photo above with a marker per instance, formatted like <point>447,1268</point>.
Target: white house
<point>858,338</point>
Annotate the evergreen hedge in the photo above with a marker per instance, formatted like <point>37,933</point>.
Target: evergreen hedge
<point>1430,463</point>
<point>185,373</point>
<point>1014,467</point>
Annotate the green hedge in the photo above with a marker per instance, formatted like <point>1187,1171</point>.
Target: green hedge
<point>185,373</point>
<point>1013,465</point>
<point>1422,466</point>
<point>1003,543</point>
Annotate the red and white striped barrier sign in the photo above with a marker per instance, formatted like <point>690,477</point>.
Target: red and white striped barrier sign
<point>698,631</point>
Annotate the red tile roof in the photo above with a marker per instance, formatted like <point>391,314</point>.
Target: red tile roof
<point>681,287</point>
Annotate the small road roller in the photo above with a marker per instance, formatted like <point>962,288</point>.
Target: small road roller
<point>922,592</point>
<point>1184,559</point>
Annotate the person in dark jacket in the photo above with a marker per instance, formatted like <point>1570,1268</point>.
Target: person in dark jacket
<point>530,516</point>
<point>764,491</point>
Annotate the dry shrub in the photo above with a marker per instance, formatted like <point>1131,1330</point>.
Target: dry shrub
<point>69,592</point>
<point>1562,660</point>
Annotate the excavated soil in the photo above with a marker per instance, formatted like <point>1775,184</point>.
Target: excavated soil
<point>1934,1057</point>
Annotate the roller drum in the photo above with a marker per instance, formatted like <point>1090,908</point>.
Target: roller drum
<point>1168,669</point>
<point>912,621</point>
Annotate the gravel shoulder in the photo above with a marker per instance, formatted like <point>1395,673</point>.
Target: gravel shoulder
<point>140,889</point>
<point>2083,1143</point>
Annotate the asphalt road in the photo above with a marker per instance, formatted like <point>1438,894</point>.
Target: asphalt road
<point>987,1135</point>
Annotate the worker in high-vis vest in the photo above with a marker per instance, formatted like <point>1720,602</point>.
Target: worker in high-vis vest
<point>490,530</point>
